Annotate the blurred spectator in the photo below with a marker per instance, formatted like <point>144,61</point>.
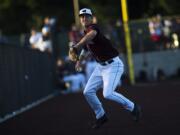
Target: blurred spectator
<point>67,79</point>
<point>34,38</point>
<point>60,68</point>
<point>167,33</point>
<point>76,82</point>
<point>47,22</point>
<point>41,41</point>
<point>156,31</point>
<point>49,31</point>
<point>111,33</point>
<point>175,41</point>
<point>60,72</point>
<point>46,43</point>
<point>74,35</point>
<point>175,32</point>
<point>54,36</point>
<point>50,23</point>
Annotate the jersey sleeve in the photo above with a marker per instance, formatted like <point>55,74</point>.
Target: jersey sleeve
<point>94,27</point>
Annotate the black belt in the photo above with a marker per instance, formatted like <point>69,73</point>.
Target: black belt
<point>106,62</point>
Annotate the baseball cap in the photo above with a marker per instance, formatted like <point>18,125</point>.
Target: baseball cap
<point>85,11</point>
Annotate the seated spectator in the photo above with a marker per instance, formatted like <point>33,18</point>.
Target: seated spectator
<point>76,82</point>
<point>34,38</point>
<point>74,35</point>
<point>45,44</point>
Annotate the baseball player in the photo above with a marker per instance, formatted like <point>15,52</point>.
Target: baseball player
<point>107,72</point>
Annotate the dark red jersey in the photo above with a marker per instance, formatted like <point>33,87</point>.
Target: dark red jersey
<point>100,47</point>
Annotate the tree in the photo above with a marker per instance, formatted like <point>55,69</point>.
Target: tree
<point>17,16</point>
<point>164,7</point>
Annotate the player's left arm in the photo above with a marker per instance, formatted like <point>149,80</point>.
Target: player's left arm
<point>84,53</point>
<point>86,39</point>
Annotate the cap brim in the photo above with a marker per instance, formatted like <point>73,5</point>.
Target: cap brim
<point>85,14</point>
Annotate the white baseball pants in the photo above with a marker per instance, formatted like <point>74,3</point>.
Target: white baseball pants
<point>108,77</point>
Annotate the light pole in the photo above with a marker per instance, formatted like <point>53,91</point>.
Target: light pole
<point>128,41</point>
<point>76,11</point>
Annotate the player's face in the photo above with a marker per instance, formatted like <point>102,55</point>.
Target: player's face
<point>85,20</point>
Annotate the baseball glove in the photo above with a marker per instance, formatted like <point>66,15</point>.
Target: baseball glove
<point>73,54</point>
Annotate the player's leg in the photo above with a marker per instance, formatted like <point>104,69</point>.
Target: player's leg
<point>93,84</point>
<point>111,77</point>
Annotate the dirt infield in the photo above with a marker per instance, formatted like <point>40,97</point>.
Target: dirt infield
<point>70,114</point>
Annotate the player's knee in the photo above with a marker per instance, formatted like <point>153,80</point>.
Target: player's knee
<point>107,95</point>
<point>89,92</point>
<point>86,92</point>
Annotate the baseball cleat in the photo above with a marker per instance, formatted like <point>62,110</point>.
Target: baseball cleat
<point>99,122</point>
<point>136,113</point>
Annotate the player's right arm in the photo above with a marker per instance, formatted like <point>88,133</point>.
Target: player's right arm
<point>86,39</point>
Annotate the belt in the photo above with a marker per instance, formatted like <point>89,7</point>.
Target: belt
<point>106,62</point>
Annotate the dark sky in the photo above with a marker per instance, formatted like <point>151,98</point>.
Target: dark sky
<point>137,8</point>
